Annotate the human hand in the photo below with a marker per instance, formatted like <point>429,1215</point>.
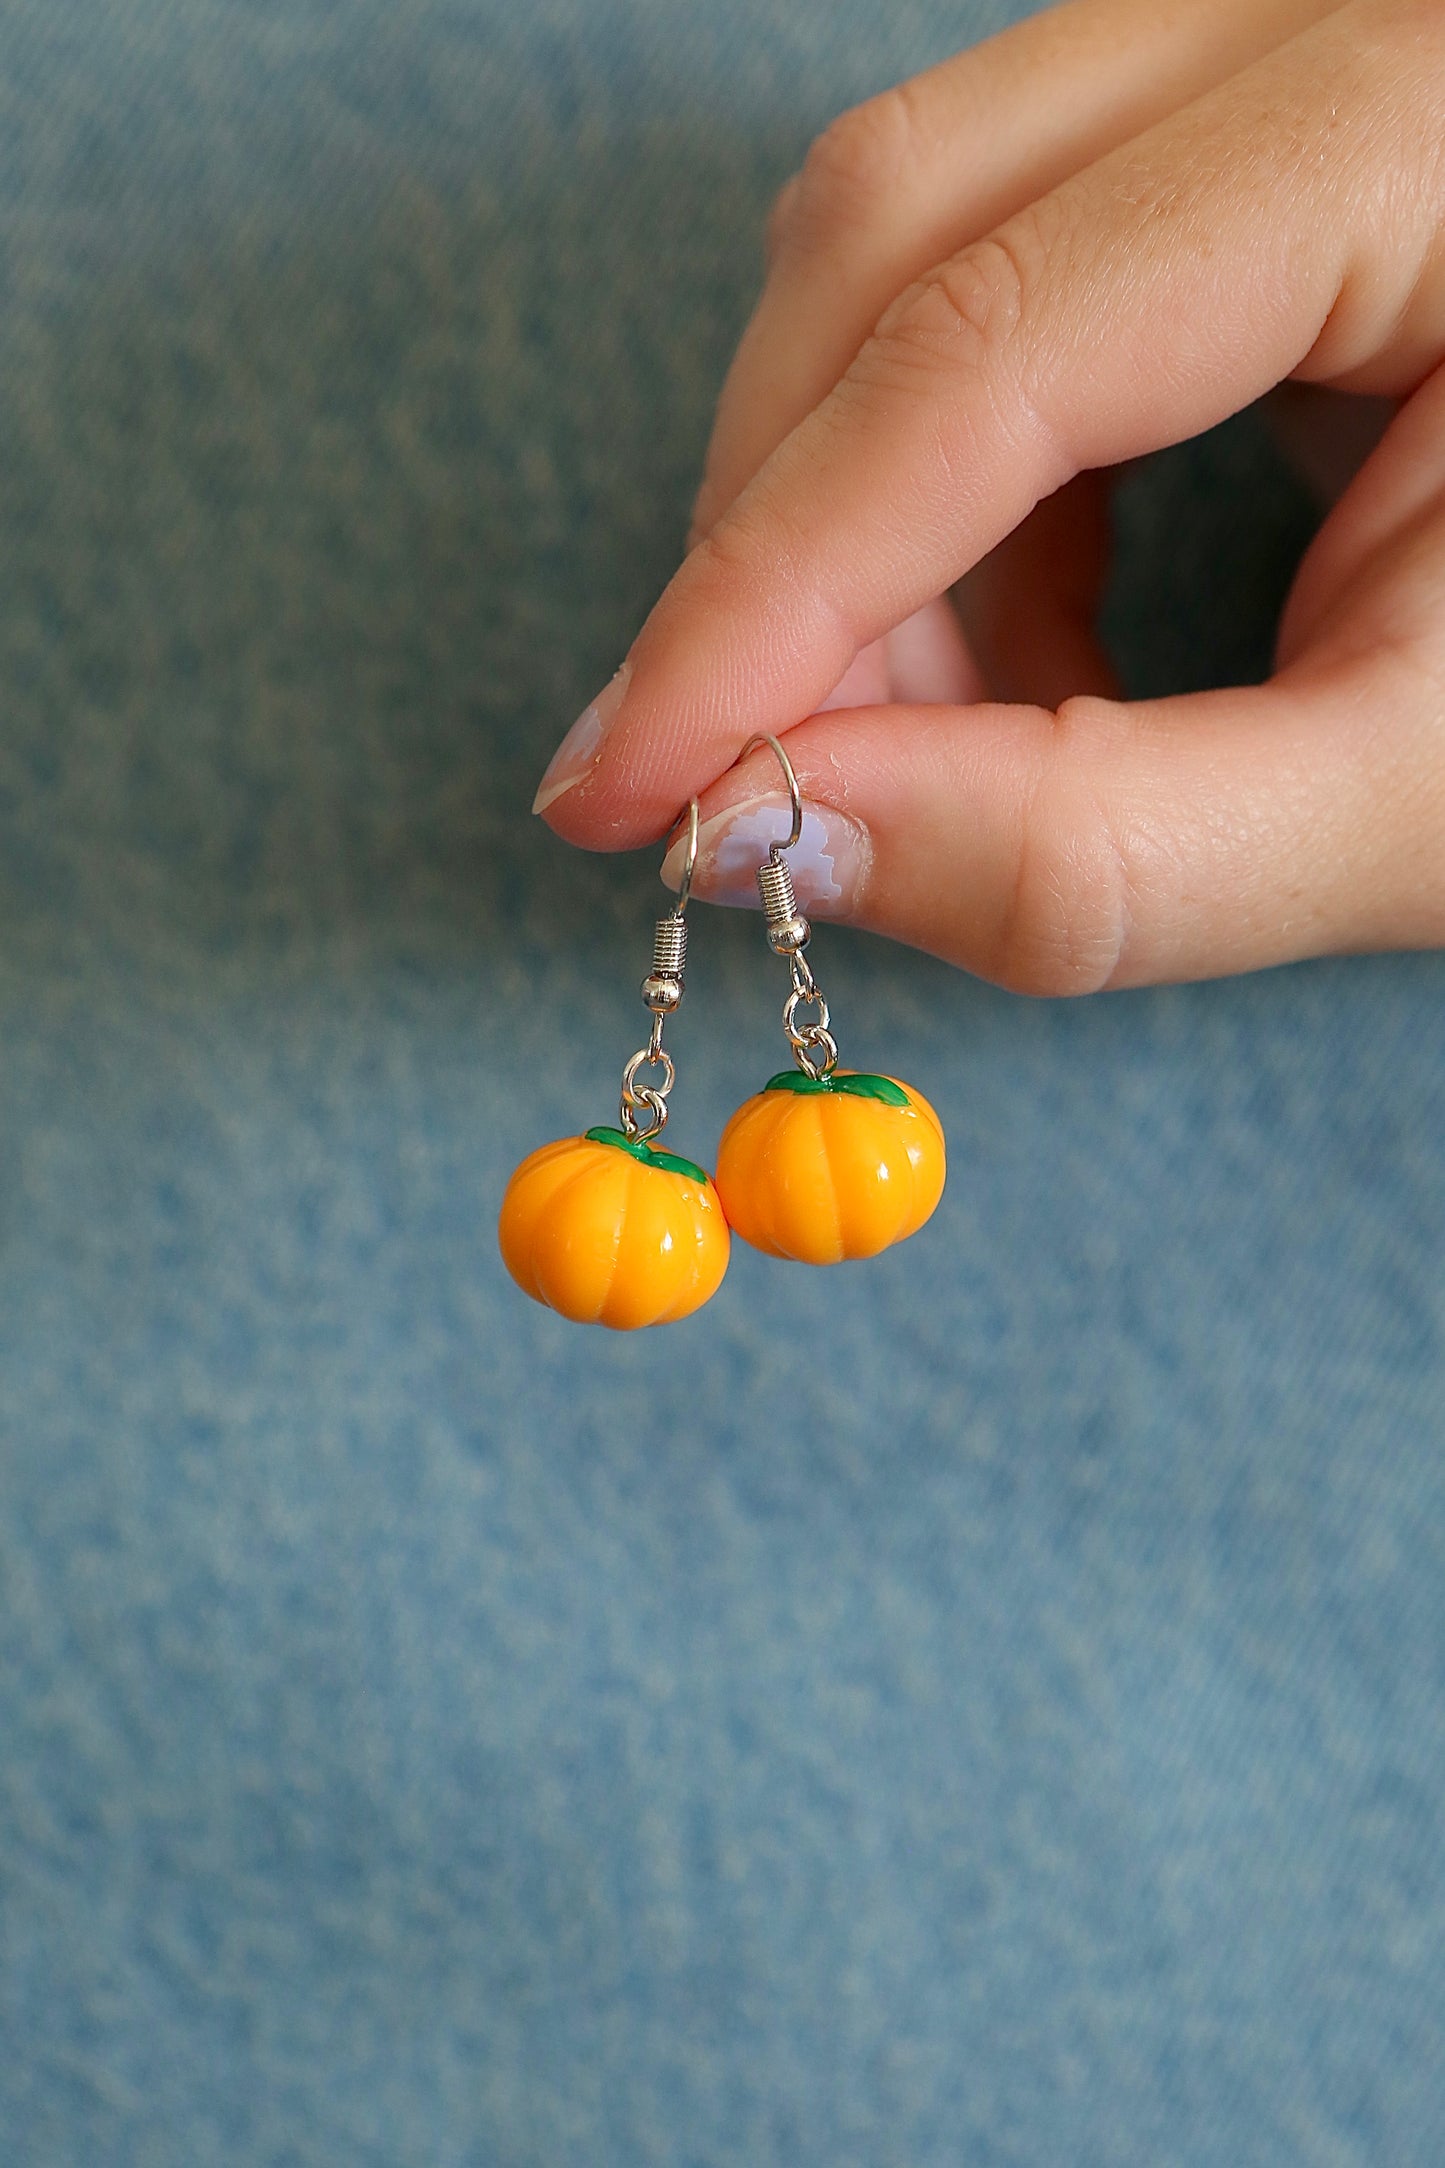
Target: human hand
<point>1093,236</point>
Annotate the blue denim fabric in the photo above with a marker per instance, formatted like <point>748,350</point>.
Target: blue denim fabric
<point>984,1707</point>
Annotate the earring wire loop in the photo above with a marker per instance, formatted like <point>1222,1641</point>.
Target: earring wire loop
<point>690,864</point>
<point>795,795</point>
<point>815,1050</point>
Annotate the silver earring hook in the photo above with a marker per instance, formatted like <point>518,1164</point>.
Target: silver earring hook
<point>690,864</point>
<point>662,993</point>
<point>815,1050</point>
<point>795,795</point>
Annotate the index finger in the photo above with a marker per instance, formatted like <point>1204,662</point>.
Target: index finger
<point>1142,301</point>
<point>897,183</point>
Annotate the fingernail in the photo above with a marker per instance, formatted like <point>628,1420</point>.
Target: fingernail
<point>575,755</point>
<point>829,862</point>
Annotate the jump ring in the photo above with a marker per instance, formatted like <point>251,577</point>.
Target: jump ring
<point>816,1038</point>
<point>792,1005</point>
<point>656,1106</point>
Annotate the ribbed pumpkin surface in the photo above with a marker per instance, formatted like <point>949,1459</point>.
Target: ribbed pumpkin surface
<point>825,1173</point>
<point>609,1239</point>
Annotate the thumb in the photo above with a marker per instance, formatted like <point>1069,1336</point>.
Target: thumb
<point>1110,844</point>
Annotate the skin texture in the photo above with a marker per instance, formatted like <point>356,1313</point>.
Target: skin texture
<point>820,1178</point>
<point>604,1240</point>
<point>1089,238</point>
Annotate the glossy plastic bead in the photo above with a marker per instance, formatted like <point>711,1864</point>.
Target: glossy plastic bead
<point>608,1230</point>
<point>825,1168</point>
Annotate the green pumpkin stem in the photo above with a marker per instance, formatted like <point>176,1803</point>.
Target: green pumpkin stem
<point>639,1148</point>
<point>849,1086</point>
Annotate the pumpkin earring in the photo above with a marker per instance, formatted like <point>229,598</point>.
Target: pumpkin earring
<point>822,1163</point>
<point>605,1227</point>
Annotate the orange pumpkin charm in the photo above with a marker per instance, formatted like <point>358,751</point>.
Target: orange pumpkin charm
<point>610,1231</point>
<point>821,1168</point>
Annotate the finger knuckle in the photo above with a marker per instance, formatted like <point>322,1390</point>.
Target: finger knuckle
<point>722,560</point>
<point>964,316</point>
<point>851,170</point>
<point>1066,926</point>
<point>735,568</point>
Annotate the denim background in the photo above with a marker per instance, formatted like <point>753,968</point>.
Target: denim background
<point>978,1708</point>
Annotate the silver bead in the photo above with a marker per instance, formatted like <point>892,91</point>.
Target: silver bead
<point>790,935</point>
<point>662,992</point>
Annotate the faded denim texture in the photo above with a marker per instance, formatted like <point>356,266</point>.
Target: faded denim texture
<point>978,1710</point>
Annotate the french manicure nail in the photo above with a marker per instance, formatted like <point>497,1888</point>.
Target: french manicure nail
<point>829,862</point>
<point>575,755</point>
